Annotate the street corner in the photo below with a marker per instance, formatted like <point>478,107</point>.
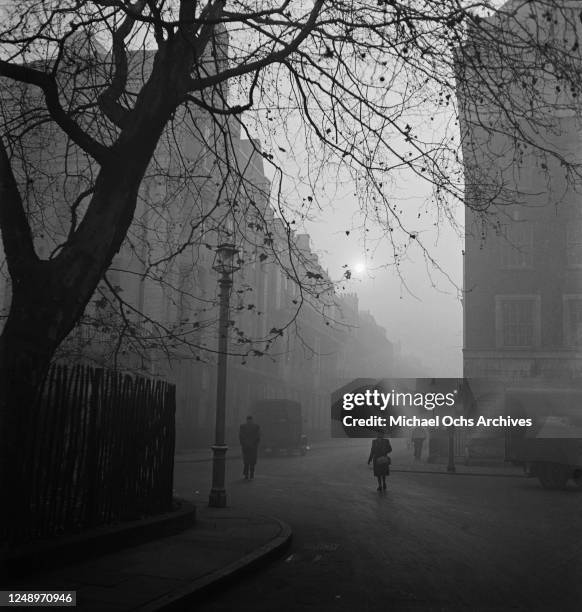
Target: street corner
<point>233,521</point>
<point>258,539</point>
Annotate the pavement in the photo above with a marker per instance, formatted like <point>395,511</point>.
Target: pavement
<point>170,573</point>
<point>402,460</point>
<point>461,469</point>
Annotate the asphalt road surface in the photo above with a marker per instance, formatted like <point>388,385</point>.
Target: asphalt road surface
<point>431,542</point>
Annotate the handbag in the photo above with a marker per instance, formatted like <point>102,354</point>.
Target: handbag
<point>383,460</point>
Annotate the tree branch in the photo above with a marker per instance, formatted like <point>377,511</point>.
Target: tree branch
<point>109,99</point>
<point>16,235</point>
<point>278,56</point>
<point>232,110</point>
<point>48,85</point>
<point>199,30</point>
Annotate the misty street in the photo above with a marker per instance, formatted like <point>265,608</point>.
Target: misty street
<point>431,542</point>
<point>264,224</point>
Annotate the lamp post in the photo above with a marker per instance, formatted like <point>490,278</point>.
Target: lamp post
<point>458,411</point>
<point>451,469</point>
<point>225,265</point>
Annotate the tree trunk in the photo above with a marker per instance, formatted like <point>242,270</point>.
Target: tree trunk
<point>22,371</point>
<point>49,297</point>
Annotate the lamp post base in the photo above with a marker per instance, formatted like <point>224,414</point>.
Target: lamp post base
<point>217,499</point>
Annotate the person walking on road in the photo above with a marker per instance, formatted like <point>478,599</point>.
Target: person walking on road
<point>418,438</point>
<point>379,455</point>
<point>249,436</point>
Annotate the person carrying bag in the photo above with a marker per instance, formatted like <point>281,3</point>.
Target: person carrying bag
<point>379,455</point>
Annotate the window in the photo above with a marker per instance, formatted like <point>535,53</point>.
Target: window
<point>203,289</point>
<point>574,243</point>
<point>573,320</point>
<point>517,245</point>
<point>517,321</point>
<point>278,288</point>
<point>185,293</point>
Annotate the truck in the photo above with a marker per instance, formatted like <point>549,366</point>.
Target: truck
<point>281,423</point>
<point>551,448</point>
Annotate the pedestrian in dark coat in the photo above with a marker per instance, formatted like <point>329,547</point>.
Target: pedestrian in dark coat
<point>249,436</point>
<point>379,455</point>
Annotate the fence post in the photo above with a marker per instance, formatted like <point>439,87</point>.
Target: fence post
<point>170,419</point>
<point>93,449</point>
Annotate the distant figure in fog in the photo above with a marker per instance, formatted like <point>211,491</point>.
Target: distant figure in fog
<point>249,436</point>
<point>418,438</point>
<point>379,455</point>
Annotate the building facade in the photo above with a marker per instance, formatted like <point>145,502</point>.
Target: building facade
<point>523,244</point>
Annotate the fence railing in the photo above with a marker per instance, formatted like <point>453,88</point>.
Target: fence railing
<point>99,448</point>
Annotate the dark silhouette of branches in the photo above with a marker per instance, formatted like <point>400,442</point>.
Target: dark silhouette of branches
<point>137,135</point>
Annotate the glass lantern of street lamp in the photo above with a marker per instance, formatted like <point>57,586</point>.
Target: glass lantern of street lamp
<point>224,261</point>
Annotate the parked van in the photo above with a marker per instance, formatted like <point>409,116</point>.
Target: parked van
<point>281,424</point>
<point>551,449</point>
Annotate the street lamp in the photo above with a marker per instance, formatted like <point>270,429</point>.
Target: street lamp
<point>225,265</point>
<point>459,410</point>
<point>451,469</point>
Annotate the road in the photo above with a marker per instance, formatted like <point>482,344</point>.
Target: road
<point>431,542</point>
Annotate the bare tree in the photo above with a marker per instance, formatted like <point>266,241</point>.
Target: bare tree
<point>99,98</point>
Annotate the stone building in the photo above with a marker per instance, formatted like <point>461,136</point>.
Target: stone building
<point>366,351</point>
<point>523,245</point>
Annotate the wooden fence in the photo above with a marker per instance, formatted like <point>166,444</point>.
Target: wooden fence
<point>99,449</point>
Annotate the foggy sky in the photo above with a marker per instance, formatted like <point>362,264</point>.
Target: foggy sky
<point>426,314</point>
